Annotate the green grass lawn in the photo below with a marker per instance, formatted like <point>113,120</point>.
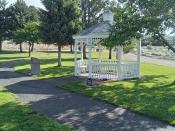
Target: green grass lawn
<point>153,94</point>
<point>49,68</point>
<point>16,116</point>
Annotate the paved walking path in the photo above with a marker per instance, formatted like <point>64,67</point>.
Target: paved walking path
<point>82,112</point>
<point>146,59</point>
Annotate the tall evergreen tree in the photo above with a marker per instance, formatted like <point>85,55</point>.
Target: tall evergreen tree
<point>3,27</point>
<point>91,12</point>
<point>59,21</point>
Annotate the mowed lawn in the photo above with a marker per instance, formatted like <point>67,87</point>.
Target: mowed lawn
<point>16,116</point>
<point>48,61</point>
<point>153,94</point>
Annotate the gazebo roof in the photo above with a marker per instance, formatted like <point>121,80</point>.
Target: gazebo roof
<point>98,30</point>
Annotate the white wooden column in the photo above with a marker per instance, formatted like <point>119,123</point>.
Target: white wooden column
<point>75,57</point>
<point>89,46</point>
<point>139,46</point>
<point>120,53</point>
<point>82,46</point>
<point>120,59</point>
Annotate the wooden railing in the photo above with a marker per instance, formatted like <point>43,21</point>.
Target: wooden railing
<point>81,67</point>
<point>129,70</point>
<point>108,69</point>
<point>102,69</point>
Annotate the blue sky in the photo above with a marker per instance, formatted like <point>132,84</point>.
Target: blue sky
<point>36,3</point>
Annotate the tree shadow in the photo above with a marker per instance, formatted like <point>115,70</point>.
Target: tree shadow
<point>16,116</point>
<point>148,96</point>
<point>11,52</point>
<point>23,66</point>
<point>66,52</point>
<point>85,113</point>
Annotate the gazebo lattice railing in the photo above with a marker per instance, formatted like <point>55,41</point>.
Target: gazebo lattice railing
<point>109,70</point>
<point>103,69</point>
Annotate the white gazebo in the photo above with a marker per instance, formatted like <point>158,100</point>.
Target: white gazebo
<point>98,68</point>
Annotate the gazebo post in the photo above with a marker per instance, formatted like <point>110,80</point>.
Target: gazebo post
<point>82,45</point>
<point>120,57</point>
<point>139,44</point>
<point>90,61</point>
<point>89,46</point>
<point>75,57</point>
<point>120,48</point>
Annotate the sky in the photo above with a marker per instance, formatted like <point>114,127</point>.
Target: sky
<point>36,3</point>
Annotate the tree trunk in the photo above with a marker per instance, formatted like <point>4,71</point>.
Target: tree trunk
<point>71,48</point>
<point>110,53</point>
<point>20,48</point>
<point>84,52</point>
<point>0,46</point>
<point>59,56</point>
<point>32,47</point>
<point>29,49</point>
<point>165,42</point>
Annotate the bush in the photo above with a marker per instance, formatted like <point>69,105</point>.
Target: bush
<point>128,48</point>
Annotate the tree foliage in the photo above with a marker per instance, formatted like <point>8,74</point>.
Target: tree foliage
<point>59,22</point>
<point>126,27</point>
<point>158,16</point>
<point>18,15</point>
<point>3,22</point>
<point>141,17</point>
<point>29,34</point>
<point>91,11</point>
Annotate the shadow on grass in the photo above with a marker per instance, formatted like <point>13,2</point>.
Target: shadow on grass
<point>151,95</point>
<point>85,113</point>
<point>17,117</point>
<point>49,67</point>
<point>11,52</point>
<point>66,52</point>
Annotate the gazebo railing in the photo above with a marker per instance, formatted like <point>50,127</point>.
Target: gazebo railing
<point>108,69</point>
<point>81,67</point>
<point>105,70</point>
<point>129,70</point>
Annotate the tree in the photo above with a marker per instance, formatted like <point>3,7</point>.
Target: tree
<point>29,34</point>
<point>91,12</point>
<point>158,16</point>
<point>3,28</point>
<point>127,26</point>
<point>19,14</point>
<point>59,22</point>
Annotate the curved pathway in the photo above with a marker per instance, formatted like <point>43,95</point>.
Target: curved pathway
<point>82,112</point>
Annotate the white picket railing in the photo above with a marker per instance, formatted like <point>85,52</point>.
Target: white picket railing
<point>129,70</point>
<point>105,70</point>
<point>81,67</point>
<point>109,70</point>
